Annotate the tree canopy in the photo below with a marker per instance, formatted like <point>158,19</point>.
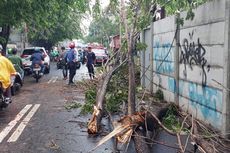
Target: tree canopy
<point>102,28</point>
<point>47,21</point>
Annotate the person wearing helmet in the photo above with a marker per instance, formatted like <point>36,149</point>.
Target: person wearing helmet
<point>17,61</point>
<point>9,52</point>
<point>6,71</point>
<point>37,58</point>
<point>71,59</point>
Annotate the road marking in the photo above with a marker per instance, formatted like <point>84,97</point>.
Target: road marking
<point>50,80</point>
<point>11,125</point>
<point>55,79</point>
<point>14,137</point>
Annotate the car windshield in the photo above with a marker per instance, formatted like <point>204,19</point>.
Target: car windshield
<point>98,51</point>
<point>30,51</point>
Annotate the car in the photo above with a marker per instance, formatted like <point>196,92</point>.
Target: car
<point>101,55</point>
<point>26,54</point>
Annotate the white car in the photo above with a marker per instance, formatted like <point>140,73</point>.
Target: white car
<point>26,54</point>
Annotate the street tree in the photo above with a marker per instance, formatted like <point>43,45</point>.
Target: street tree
<point>136,15</point>
<point>102,27</point>
<point>45,19</point>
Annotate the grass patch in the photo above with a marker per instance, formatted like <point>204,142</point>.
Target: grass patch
<point>90,99</point>
<point>171,120</point>
<point>72,105</point>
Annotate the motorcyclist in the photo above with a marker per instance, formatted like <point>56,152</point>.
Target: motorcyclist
<point>6,71</point>
<point>54,54</point>
<point>71,58</point>
<point>17,61</point>
<point>37,58</point>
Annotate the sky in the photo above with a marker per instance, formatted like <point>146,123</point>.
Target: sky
<point>86,21</point>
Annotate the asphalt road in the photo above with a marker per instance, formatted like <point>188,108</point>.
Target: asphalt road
<point>37,121</point>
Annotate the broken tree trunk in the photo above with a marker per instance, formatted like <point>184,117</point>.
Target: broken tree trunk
<point>128,126</point>
<point>94,124</point>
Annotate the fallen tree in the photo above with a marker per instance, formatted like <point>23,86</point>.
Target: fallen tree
<point>139,123</point>
<point>94,123</point>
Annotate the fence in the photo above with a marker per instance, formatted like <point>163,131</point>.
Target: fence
<point>190,63</point>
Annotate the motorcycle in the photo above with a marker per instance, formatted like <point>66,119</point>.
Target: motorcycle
<point>37,74</point>
<point>17,81</point>
<point>3,103</point>
<point>60,63</point>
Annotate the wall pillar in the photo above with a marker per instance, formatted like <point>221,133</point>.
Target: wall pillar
<point>176,62</point>
<point>151,58</point>
<point>142,38</point>
<point>226,93</point>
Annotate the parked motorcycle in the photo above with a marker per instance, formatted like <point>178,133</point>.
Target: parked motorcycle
<point>37,74</point>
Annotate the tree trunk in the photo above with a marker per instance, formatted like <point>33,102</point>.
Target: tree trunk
<point>131,95</point>
<point>94,124</point>
<point>129,38</point>
<point>4,37</point>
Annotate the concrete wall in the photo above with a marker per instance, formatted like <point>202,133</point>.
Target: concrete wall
<point>203,61</point>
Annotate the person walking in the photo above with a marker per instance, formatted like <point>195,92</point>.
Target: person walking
<point>91,59</point>
<point>71,58</point>
<point>63,63</point>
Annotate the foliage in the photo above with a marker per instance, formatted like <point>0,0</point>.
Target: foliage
<point>159,94</point>
<point>170,120</point>
<point>90,101</point>
<point>141,46</point>
<point>117,91</point>
<point>62,21</point>
<point>114,100</point>
<point>47,21</point>
<point>101,28</point>
<point>73,105</point>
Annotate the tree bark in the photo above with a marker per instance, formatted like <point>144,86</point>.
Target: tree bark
<point>129,38</point>
<point>4,37</point>
<point>94,124</point>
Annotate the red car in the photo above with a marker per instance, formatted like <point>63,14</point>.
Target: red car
<point>101,56</point>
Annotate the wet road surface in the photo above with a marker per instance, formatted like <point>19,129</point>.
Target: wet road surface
<point>37,121</point>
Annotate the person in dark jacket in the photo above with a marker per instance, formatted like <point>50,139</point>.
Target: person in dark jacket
<point>91,59</point>
<point>63,63</point>
<point>37,58</point>
<point>71,59</point>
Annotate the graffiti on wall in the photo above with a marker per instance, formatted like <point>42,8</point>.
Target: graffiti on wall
<point>194,54</point>
<point>163,58</point>
<point>206,99</point>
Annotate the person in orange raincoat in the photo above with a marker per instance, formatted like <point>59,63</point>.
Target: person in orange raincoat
<point>6,71</point>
